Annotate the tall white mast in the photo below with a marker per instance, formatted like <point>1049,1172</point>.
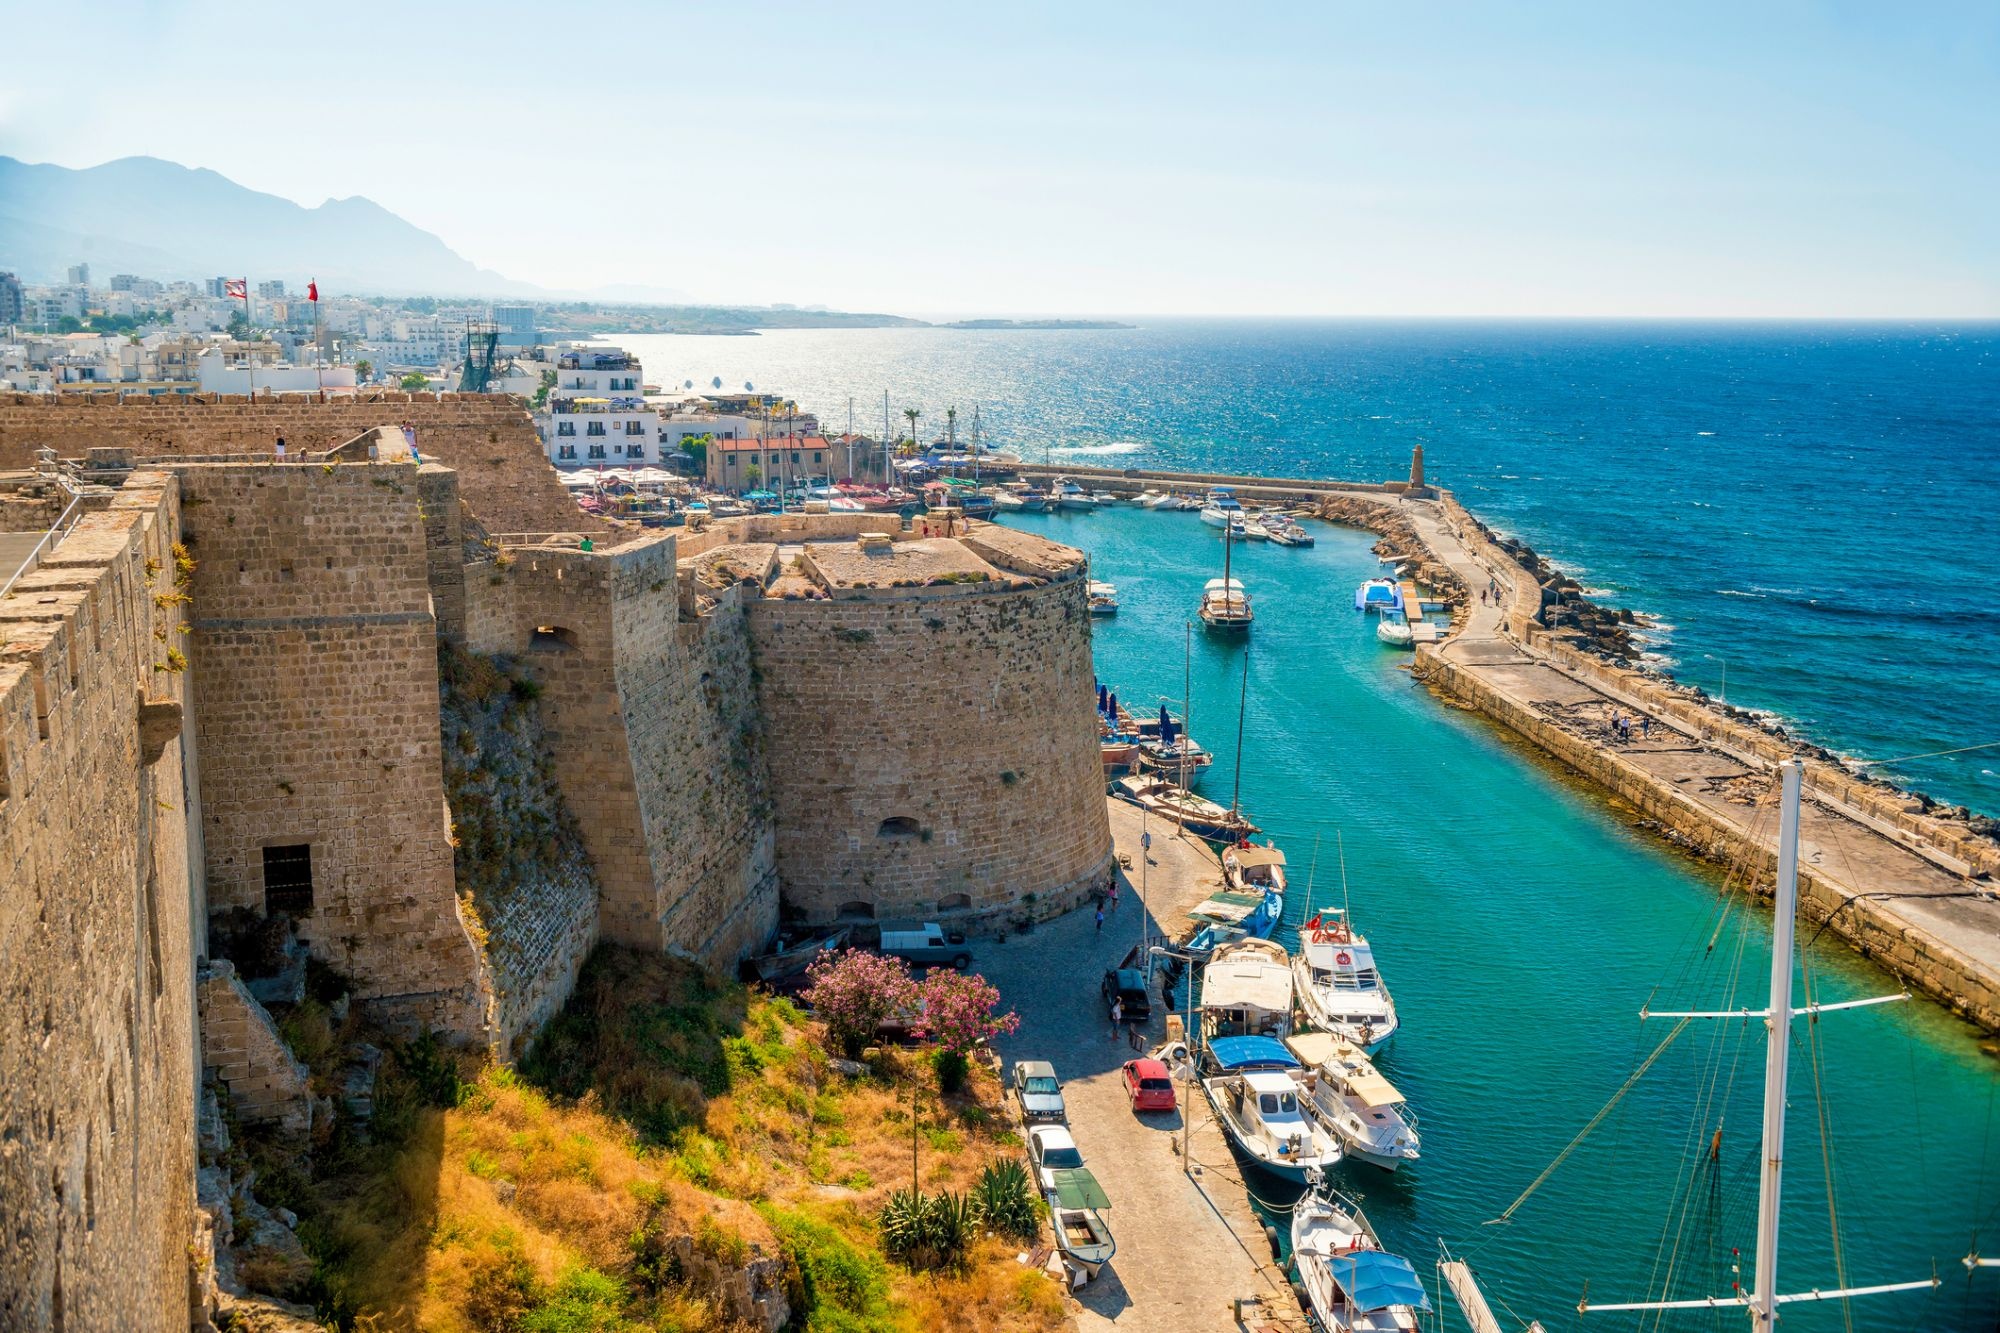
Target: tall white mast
<point>1777,1050</point>
<point>1764,1300</point>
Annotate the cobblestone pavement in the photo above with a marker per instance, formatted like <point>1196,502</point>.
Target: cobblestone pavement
<point>1189,1246</point>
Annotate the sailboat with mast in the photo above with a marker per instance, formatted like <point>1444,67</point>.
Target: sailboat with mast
<point>1763,1301</point>
<point>1225,606</point>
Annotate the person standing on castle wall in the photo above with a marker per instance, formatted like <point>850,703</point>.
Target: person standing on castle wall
<point>280,448</point>
<point>410,438</point>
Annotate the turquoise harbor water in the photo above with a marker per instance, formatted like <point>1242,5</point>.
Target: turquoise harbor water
<point>1521,925</point>
<point>1809,510</point>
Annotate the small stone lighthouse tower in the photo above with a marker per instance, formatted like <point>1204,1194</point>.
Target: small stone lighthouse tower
<point>1417,468</point>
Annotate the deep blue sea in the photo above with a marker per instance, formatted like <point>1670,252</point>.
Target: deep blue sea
<point>1810,511</point>
<point>1832,538</point>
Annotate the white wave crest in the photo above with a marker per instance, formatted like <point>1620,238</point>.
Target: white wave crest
<point>1120,447</point>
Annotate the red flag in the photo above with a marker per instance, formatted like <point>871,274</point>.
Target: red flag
<point>312,292</point>
<point>237,289</point>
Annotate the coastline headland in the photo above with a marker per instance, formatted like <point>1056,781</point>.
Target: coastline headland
<point>1904,881</point>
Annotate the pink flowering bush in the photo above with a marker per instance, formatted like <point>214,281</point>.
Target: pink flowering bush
<point>958,1015</point>
<point>852,991</point>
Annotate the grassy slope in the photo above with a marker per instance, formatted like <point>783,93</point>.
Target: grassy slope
<point>661,1103</point>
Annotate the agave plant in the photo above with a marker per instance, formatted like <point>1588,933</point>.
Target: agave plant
<point>1004,1201</point>
<point>929,1230</point>
<point>903,1225</point>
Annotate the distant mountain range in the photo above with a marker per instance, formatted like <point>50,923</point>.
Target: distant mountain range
<point>162,220</point>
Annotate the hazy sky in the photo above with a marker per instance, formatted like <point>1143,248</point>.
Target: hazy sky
<point>1744,158</point>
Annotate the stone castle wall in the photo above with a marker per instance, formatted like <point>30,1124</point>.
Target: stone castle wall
<point>316,711</point>
<point>100,915</point>
<point>933,756</point>
<point>654,730</point>
<point>488,439</point>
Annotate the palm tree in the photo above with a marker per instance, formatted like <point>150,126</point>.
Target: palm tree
<point>912,413</point>
<point>951,433</point>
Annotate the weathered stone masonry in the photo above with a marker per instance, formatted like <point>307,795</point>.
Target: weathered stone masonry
<point>100,912</point>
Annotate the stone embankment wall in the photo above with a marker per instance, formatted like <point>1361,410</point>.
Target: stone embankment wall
<point>656,737</point>
<point>1131,481</point>
<point>933,756</point>
<point>100,912</point>
<point>1896,813</point>
<point>315,650</point>
<point>488,439</point>
<point>1920,959</point>
<point>267,1083</point>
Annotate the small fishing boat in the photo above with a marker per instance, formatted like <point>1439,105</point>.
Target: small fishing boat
<point>1146,499</point>
<point>1103,599</point>
<point>1295,532</point>
<point>1339,990</point>
<point>1351,1284</point>
<point>791,958</point>
<point>1228,915</point>
<point>1254,529</point>
<point>1395,631</point>
<point>1183,759</point>
<point>976,504</point>
<point>1077,1204</point>
<point>1221,510</point>
<point>1008,502</point>
<point>1163,500</point>
<point>1119,753</point>
<point>1103,498</point>
<point>1198,815</point>
<point>1358,1106</point>
<point>1278,534</point>
<point>1248,868</point>
<point>1379,595</point>
<point>1254,1085</point>
<point>1246,991</point>
<point>1190,504</point>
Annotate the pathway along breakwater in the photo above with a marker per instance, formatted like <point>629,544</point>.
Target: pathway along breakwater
<point>1908,883</point>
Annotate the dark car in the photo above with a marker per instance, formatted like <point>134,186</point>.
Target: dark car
<point>1127,984</point>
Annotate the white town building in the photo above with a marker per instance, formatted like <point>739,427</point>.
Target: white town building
<point>597,414</point>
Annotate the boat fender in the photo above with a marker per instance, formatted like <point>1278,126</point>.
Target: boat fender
<point>1299,1293</point>
<point>1271,1235</point>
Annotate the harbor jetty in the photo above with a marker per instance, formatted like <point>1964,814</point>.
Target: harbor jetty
<point>1905,882</point>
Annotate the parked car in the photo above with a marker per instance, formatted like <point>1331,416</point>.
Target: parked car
<point>928,944</point>
<point>1051,1149</point>
<point>1127,984</point>
<point>1035,1083</point>
<point>1148,1086</point>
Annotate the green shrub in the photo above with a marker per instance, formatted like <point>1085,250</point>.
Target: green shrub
<point>833,1284</point>
<point>928,1231</point>
<point>583,1301</point>
<point>952,1068</point>
<point>1005,1202</point>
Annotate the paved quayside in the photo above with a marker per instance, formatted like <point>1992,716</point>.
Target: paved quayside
<point>1189,1246</point>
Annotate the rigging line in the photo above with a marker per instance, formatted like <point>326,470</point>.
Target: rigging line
<point>1826,1152</point>
<point>1595,1121</point>
<point>1932,754</point>
<point>1688,1195</point>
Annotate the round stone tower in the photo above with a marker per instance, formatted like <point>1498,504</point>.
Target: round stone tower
<point>927,704</point>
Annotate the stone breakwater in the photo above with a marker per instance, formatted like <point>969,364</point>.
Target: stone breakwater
<point>1906,881</point>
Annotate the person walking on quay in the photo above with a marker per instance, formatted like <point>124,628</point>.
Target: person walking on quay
<point>1114,894</point>
<point>1645,726</point>
<point>1100,918</point>
<point>1117,1016</point>
<point>1132,1035</point>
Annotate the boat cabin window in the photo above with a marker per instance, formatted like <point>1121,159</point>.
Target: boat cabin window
<point>1277,1103</point>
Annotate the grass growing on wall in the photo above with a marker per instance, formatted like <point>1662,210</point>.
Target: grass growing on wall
<point>662,1108</point>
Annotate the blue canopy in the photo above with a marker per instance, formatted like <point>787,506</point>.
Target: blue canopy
<point>1374,1280</point>
<point>1251,1053</point>
<point>759,495</point>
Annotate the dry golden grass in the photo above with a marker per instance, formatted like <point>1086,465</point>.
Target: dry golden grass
<point>667,1104</point>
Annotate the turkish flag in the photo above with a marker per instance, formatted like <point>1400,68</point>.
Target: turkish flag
<point>312,291</point>
<point>237,288</point>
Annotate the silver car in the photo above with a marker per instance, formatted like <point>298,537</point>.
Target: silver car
<point>1035,1083</point>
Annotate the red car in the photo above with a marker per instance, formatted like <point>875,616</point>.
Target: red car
<point>1148,1085</point>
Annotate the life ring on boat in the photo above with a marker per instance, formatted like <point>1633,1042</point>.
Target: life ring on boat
<point>1343,958</point>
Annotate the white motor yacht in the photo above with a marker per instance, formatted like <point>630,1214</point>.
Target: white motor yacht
<point>1066,494</point>
<point>1246,990</point>
<point>1338,988</point>
<point>1395,631</point>
<point>1222,510</point>
<point>1353,1101</point>
<point>1254,1085</point>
